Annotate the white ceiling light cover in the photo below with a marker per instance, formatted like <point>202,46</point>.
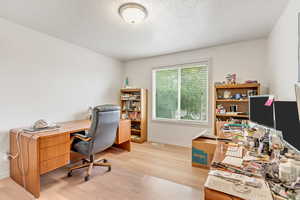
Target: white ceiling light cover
<point>133,13</point>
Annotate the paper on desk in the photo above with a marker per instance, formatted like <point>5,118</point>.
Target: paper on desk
<point>219,184</point>
<point>233,161</point>
<point>232,131</point>
<point>247,157</point>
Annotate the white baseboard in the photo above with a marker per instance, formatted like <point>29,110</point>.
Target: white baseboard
<point>4,174</point>
<point>4,166</point>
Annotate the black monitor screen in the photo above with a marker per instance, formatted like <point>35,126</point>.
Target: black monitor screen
<point>259,113</point>
<point>287,121</point>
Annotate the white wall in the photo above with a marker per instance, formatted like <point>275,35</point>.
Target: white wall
<point>44,77</point>
<point>283,53</point>
<point>247,59</point>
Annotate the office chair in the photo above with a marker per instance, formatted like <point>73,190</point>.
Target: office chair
<point>101,135</point>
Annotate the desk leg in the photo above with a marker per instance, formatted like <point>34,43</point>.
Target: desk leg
<point>125,145</point>
<point>30,154</point>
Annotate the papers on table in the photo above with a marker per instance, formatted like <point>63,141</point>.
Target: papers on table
<point>233,161</point>
<point>218,180</point>
<point>248,157</point>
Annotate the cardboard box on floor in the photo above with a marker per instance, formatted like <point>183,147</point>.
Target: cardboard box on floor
<point>203,150</point>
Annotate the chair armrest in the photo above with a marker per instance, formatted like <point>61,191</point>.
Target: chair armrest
<point>81,137</point>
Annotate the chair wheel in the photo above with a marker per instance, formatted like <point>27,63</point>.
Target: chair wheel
<point>69,174</point>
<point>109,169</point>
<point>87,178</point>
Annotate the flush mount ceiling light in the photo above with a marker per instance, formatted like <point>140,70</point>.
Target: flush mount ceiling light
<point>133,13</point>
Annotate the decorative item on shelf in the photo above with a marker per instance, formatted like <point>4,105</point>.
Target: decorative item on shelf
<point>126,83</point>
<point>220,109</point>
<point>227,94</point>
<point>237,96</point>
<point>251,93</point>
<point>233,108</point>
<point>231,78</point>
<point>251,81</point>
<point>124,116</point>
<point>136,126</point>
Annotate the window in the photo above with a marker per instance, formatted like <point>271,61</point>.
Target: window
<point>181,93</point>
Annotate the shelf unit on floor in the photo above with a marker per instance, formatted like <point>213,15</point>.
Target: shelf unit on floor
<point>242,104</point>
<point>134,108</point>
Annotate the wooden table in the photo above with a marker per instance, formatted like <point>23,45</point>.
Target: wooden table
<point>45,151</point>
<point>219,156</point>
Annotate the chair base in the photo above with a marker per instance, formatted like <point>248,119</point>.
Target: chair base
<point>90,164</point>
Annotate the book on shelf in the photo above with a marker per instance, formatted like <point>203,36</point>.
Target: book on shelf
<point>136,126</point>
<point>135,137</point>
<point>235,113</point>
<point>132,106</point>
<point>132,116</point>
<point>128,96</point>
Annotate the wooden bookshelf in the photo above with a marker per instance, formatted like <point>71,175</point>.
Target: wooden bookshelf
<point>238,86</point>
<point>232,100</point>
<point>231,115</point>
<point>134,107</point>
<point>242,104</point>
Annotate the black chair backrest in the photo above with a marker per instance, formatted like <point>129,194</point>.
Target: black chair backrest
<point>103,131</point>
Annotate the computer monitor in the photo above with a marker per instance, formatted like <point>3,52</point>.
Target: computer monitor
<point>287,121</point>
<point>259,112</point>
<point>297,92</point>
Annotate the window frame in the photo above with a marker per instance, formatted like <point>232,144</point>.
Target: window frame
<point>178,67</point>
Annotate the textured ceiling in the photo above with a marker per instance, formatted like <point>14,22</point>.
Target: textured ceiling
<point>171,26</point>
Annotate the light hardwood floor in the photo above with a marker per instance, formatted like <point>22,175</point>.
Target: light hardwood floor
<point>149,172</point>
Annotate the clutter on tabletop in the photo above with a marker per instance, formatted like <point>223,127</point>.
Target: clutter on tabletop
<point>233,161</point>
<point>250,131</point>
<point>265,156</point>
<point>252,182</point>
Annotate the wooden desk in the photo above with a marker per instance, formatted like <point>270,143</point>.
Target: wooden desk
<point>219,156</point>
<point>46,151</point>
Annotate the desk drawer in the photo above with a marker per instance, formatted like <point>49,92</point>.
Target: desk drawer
<point>215,195</point>
<point>51,152</point>
<point>54,140</point>
<point>49,165</point>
